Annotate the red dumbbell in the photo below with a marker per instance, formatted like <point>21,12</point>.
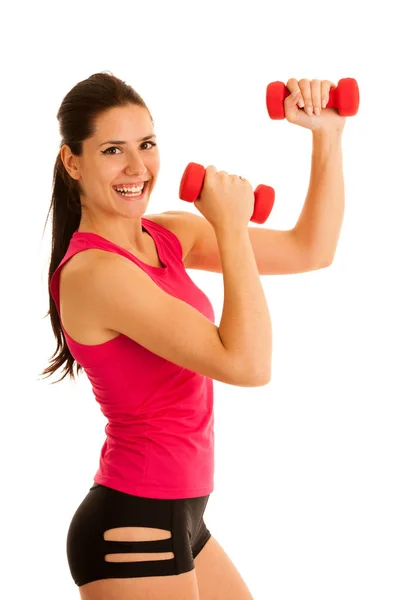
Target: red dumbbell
<point>345,97</point>
<point>192,185</point>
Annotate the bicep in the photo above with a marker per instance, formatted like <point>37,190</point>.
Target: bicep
<point>127,301</point>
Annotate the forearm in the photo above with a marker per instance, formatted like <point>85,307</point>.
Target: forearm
<point>245,328</point>
<point>320,222</point>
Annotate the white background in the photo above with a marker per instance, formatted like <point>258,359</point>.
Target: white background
<point>307,492</point>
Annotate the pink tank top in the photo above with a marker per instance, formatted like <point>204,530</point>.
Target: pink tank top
<point>160,430</point>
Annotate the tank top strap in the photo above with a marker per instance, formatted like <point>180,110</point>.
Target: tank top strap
<point>168,241</point>
<point>168,247</point>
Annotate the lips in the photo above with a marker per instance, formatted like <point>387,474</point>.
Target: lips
<point>143,192</point>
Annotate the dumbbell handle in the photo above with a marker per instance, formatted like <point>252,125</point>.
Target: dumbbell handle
<point>192,185</point>
<point>345,98</point>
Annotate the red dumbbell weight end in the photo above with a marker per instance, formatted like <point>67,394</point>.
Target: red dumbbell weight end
<point>345,97</point>
<point>192,185</point>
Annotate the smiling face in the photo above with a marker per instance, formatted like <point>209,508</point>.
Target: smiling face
<point>115,155</point>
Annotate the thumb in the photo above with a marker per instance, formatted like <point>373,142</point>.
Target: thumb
<point>291,108</point>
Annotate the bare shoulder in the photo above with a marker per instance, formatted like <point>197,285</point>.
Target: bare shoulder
<point>183,224</point>
<point>83,325</point>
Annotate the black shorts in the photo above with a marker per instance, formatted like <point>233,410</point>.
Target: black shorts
<point>105,508</point>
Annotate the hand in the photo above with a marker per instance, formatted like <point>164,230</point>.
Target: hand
<point>312,95</point>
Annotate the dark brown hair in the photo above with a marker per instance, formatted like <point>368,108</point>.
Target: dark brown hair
<point>77,116</point>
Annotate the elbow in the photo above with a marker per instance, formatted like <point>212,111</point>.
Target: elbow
<point>262,382</point>
<point>327,263</point>
<point>261,378</point>
<point>252,375</point>
<point>321,263</point>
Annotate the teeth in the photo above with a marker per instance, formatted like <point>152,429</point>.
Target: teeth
<point>131,189</point>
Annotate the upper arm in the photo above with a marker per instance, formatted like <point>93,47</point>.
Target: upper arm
<point>126,300</point>
<point>277,252</point>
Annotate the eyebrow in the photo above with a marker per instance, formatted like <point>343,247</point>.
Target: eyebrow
<point>147,137</point>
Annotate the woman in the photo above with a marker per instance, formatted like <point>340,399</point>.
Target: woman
<point>124,308</point>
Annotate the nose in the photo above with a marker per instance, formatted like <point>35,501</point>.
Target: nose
<point>135,166</point>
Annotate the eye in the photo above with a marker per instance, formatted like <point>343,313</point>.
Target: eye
<point>107,151</point>
<point>152,144</point>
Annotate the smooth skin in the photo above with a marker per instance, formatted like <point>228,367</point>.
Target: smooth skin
<point>215,577</point>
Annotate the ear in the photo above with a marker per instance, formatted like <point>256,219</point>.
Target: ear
<point>70,162</point>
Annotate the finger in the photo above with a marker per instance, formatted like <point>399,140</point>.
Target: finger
<point>305,88</point>
<point>325,90</point>
<point>316,95</point>
<point>293,87</point>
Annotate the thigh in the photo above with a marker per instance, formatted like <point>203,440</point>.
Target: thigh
<point>126,546</point>
<point>170,587</point>
<point>217,576</point>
